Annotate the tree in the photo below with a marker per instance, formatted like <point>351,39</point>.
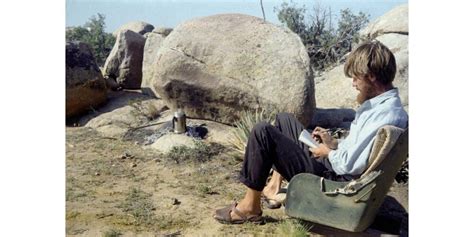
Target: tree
<point>325,44</point>
<point>293,17</point>
<point>93,33</point>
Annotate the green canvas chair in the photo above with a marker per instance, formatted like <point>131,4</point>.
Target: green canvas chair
<point>353,205</point>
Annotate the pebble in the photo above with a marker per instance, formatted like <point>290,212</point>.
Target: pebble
<point>97,173</point>
<point>175,201</point>
<point>133,165</point>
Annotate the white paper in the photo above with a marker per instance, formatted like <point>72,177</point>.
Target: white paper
<point>305,137</point>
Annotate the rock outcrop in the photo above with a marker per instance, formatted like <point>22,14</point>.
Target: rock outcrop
<point>334,90</point>
<point>124,63</point>
<point>214,67</point>
<point>153,43</point>
<point>394,21</point>
<point>123,113</point>
<point>165,31</point>
<point>85,86</point>
<point>139,27</point>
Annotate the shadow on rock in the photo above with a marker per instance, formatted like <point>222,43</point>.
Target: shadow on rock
<point>332,118</point>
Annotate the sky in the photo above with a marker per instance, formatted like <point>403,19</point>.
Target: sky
<point>169,13</point>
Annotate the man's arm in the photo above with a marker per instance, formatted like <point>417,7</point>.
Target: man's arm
<point>352,156</point>
<point>320,152</point>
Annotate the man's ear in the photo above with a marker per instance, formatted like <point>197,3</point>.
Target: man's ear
<point>371,78</point>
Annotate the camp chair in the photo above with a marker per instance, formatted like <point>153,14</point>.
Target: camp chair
<point>351,205</point>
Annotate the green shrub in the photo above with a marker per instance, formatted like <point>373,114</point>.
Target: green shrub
<point>325,44</point>
<point>201,152</point>
<point>93,33</point>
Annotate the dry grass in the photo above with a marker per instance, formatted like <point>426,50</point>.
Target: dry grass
<point>292,227</point>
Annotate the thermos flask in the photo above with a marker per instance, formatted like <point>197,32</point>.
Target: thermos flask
<point>179,122</point>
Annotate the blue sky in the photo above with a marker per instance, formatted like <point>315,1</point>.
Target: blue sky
<point>169,13</point>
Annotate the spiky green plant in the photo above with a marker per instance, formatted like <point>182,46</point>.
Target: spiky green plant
<point>244,126</point>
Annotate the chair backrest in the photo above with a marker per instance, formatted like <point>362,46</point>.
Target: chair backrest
<point>385,139</point>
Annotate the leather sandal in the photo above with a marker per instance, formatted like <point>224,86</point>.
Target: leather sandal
<point>223,216</point>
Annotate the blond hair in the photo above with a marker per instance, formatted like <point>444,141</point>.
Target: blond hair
<point>372,58</point>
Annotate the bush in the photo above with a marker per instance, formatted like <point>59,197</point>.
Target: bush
<point>201,152</point>
<point>325,44</point>
<point>93,34</point>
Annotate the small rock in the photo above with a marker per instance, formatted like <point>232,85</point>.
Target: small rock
<point>133,165</point>
<point>128,155</point>
<point>157,160</point>
<point>175,201</point>
<point>97,173</point>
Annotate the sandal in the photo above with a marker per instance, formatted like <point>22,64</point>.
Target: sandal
<point>277,202</point>
<point>223,216</point>
<point>270,203</point>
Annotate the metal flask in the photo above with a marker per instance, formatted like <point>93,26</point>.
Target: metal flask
<point>179,122</point>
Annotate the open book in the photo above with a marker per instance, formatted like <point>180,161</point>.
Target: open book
<point>305,137</point>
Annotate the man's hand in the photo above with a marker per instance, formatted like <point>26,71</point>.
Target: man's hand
<point>323,136</point>
<point>321,152</point>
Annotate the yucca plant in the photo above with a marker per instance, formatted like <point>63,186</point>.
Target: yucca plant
<point>244,125</point>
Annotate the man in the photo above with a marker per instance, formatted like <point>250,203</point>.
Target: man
<point>372,68</point>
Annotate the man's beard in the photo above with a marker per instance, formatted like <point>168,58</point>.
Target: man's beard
<point>365,93</point>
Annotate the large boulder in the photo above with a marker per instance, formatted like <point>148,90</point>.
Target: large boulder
<point>139,27</point>
<point>214,67</point>
<point>124,63</point>
<point>398,44</point>
<point>334,90</point>
<point>150,53</point>
<point>394,21</point>
<point>85,86</point>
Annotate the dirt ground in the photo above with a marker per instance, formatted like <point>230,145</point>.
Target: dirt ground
<point>120,188</point>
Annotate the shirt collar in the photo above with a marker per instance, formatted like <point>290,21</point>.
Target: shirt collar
<point>380,98</point>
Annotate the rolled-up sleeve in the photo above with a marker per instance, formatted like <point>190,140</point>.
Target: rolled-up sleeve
<point>352,157</point>
<point>351,160</point>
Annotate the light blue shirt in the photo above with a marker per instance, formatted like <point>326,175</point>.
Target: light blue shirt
<point>352,154</point>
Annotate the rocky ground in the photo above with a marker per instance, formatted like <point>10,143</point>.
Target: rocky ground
<point>121,187</point>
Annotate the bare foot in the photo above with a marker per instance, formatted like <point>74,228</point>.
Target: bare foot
<point>270,191</point>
